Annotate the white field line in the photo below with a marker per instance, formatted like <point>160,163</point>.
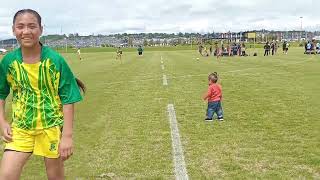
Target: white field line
<point>180,169</point>
<point>165,81</point>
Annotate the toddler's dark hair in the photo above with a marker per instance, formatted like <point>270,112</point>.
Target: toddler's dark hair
<point>213,77</point>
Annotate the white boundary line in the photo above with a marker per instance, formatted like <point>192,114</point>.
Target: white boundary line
<point>165,81</point>
<point>180,169</point>
<point>162,67</point>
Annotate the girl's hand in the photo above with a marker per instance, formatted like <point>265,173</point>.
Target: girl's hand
<point>66,147</point>
<point>6,132</point>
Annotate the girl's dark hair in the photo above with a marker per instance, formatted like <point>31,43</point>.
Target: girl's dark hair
<point>23,11</point>
<point>37,15</point>
<point>81,85</point>
<point>213,77</point>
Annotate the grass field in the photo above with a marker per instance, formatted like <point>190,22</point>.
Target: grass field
<point>271,107</point>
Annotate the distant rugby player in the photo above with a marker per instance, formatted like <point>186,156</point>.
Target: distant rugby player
<point>119,54</point>
<point>140,50</point>
<point>79,54</point>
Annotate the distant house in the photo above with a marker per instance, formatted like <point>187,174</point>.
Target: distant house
<point>3,51</point>
<point>316,38</point>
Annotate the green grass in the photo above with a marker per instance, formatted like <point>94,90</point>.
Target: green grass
<point>114,49</point>
<point>271,107</point>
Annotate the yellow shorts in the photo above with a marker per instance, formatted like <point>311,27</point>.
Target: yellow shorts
<point>42,142</point>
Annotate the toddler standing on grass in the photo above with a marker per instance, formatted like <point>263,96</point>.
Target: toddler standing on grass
<point>214,97</point>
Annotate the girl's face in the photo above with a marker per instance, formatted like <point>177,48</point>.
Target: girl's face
<point>27,30</point>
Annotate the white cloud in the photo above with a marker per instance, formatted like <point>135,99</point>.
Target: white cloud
<point>105,17</point>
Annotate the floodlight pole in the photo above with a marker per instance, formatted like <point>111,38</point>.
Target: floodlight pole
<point>66,44</point>
<point>301,27</point>
<point>44,36</point>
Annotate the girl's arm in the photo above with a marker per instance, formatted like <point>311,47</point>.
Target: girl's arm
<point>66,144</point>
<point>5,127</point>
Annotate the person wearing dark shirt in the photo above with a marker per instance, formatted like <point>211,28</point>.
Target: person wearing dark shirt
<point>140,51</point>
<point>273,47</point>
<point>266,49</point>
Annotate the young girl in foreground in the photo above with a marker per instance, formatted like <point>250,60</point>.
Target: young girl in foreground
<point>44,91</point>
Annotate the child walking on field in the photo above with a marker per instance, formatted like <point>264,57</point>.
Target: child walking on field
<point>44,91</point>
<point>214,97</point>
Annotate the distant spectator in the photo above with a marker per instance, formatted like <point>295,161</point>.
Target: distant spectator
<point>239,49</point>
<point>234,49</point>
<point>273,47</point>
<point>210,50</point>
<point>229,49</point>
<point>285,47</point>
<point>243,49</point>
<point>276,46</point>
<point>308,48</point>
<point>314,46</point>
<point>266,49</point>
<point>305,47</point>
<point>200,49</point>
<point>205,52</point>
<point>140,51</point>
<point>119,54</point>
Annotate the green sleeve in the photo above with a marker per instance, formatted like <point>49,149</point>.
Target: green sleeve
<point>69,91</point>
<point>4,86</point>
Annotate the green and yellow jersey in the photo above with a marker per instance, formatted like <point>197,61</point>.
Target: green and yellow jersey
<point>38,90</point>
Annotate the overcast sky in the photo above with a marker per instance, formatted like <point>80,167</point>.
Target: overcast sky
<point>169,16</point>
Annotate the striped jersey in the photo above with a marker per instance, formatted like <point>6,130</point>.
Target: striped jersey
<point>38,90</point>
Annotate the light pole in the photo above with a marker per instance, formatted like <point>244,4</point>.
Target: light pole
<point>301,27</point>
<point>66,41</point>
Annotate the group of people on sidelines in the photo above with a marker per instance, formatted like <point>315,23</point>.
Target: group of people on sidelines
<point>312,47</point>
<point>234,49</point>
<point>273,47</point>
<point>239,49</point>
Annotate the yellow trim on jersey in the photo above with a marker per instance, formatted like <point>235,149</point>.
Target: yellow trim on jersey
<point>33,75</point>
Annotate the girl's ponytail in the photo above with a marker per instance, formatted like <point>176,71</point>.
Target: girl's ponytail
<point>81,85</point>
